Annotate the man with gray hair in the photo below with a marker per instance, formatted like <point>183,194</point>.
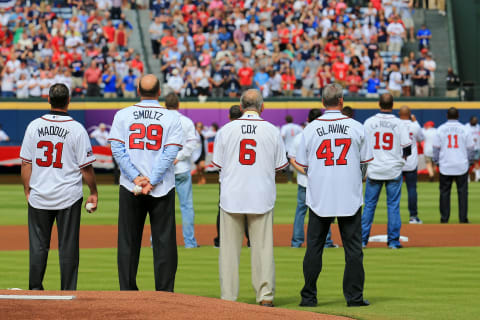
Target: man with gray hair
<point>335,150</point>
<point>248,151</point>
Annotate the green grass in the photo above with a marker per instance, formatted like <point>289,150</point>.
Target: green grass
<point>415,283</point>
<point>205,199</point>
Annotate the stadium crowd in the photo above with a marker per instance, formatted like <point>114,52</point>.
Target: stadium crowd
<point>216,48</point>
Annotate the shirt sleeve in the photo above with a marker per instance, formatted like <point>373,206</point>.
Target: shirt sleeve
<point>419,132</point>
<point>175,134</point>
<point>27,152</point>
<point>165,161</point>
<point>116,132</point>
<point>302,157</point>
<point>366,152</point>
<point>405,140</point>
<point>190,143</point>
<point>83,152</point>
<point>218,150</point>
<point>437,140</point>
<point>470,142</point>
<point>280,154</point>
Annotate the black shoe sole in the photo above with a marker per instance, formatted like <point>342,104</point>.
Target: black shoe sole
<point>363,303</point>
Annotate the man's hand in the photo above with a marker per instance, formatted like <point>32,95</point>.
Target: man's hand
<point>141,181</point>
<point>175,161</point>
<point>93,199</point>
<point>413,118</point>
<point>147,188</point>
<point>27,193</point>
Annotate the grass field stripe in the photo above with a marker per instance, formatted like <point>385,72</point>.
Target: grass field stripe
<point>25,297</point>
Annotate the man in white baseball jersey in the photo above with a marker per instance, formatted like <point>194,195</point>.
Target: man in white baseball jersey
<point>334,148</point>
<point>474,129</point>
<point>453,150</point>
<point>429,133</point>
<point>56,154</point>
<point>289,131</point>
<point>391,145</point>
<point>145,139</point>
<point>248,151</point>
<point>183,177</point>
<point>298,235</point>
<point>409,170</point>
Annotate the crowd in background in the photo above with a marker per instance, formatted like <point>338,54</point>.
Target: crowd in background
<point>216,48</point>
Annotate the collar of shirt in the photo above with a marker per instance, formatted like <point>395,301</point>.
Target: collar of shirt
<point>59,113</point>
<point>149,103</point>
<point>385,114</point>
<point>452,121</point>
<point>250,115</point>
<point>333,115</point>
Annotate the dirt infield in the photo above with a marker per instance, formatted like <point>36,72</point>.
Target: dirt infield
<point>140,305</point>
<point>427,235</point>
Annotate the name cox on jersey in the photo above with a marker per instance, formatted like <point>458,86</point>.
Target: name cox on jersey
<point>147,114</point>
<point>333,128</point>
<point>53,131</point>
<point>249,128</point>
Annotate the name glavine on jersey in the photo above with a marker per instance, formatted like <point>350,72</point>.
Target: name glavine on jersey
<point>53,131</point>
<point>147,114</point>
<point>333,128</point>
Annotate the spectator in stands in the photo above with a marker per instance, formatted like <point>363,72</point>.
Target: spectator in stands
<point>34,89</point>
<point>121,37</point>
<point>406,70</point>
<point>288,82</point>
<point>261,80</point>
<point>92,79</point>
<point>22,87</point>
<point>129,85</point>
<point>354,83</point>
<point>423,36</point>
<point>137,64</point>
<point>77,68</point>
<point>232,86</point>
<point>431,66</point>
<point>453,83</point>
<point>373,84</point>
<point>245,76</point>
<point>298,66</point>
<point>395,81</point>
<point>8,83</point>
<point>420,80</point>
<point>100,134</point>
<point>175,82</point>
<point>202,83</point>
<point>109,79</point>
<point>217,81</point>
<point>396,34</point>
<point>406,8</point>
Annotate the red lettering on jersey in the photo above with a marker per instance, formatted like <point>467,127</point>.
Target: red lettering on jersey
<point>244,152</point>
<point>48,154</point>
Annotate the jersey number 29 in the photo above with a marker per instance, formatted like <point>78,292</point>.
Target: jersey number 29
<point>153,132</point>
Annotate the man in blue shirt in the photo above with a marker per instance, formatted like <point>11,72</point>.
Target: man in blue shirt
<point>260,79</point>
<point>423,36</point>
<point>373,83</point>
<point>110,80</point>
<point>129,84</point>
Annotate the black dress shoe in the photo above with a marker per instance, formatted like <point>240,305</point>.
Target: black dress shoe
<point>362,303</point>
<point>305,303</point>
<point>465,221</point>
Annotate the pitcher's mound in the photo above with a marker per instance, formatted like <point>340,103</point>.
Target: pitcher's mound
<point>139,305</point>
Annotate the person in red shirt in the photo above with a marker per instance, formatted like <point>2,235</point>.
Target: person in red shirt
<point>121,37</point>
<point>354,83</point>
<point>288,82</point>
<point>339,69</point>
<point>62,57</point>
<point>284,35</point>
<point>168,40</point>
<point>245,76</point>
<point>57,41</point>
<point>92,78</point>
<point>324,77</point>
<point>330,51</point>
<point>109,31</point>
<point>137,63</point>
<point>187,9</point>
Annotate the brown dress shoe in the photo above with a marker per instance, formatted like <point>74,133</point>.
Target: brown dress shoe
<point>266,303</point>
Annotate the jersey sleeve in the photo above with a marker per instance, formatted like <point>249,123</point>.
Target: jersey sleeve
<point>419,132</point>
<point>27,152</point>
<point>437,140</point>
<point>175,134</point>
<point>116,132</point>
<point>366,152</point>
<point>190,142</point>
<point>218,150</point>
<point>470,140</point>
<point>83,150</point>
<point>302,158</point>
<point>405,140</point>
<point>280,154</point>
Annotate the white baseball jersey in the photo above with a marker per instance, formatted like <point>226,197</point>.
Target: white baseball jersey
<point>453,139</point>
<point>332,148</point>
<point>416,135</point>
<point>292,153</point>
<point>190,143</point>
<point>57,147</point>
<point>248,151</point>
<point>146,129</point>
<point>388,137</point>
<point>475,132</point>
<point>289,131</point>
<point>429,135</point>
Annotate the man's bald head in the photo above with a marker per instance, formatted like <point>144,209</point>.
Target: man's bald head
<point>149,87</point>
<point>404,113</point>
<point>252,100</point>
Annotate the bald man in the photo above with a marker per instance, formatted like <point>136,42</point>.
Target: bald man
<point>145,140</point>
<point>409,170</point>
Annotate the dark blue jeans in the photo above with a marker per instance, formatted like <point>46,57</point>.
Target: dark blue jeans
<point>411,182</point>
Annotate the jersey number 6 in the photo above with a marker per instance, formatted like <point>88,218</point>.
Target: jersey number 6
<point>247,156</point>
<point>154,133</point>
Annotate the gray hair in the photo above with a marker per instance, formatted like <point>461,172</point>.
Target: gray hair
<point>252,99</point>
<point>331,95</point>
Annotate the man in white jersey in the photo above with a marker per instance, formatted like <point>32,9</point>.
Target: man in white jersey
<point>298,235</point>
<point>474,129</point>
<point>56,154</point>
<point>409,170</point>
<point>248,151</point>
<point>334,150</point>
<point>183,177</point>
<point>145,139</point>
<point>391,145</point>
<point>289,131</point>
<point>429,133</point>
<point>453,150</point>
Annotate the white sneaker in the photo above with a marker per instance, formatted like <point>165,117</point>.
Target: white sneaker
<point>415,220</point>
